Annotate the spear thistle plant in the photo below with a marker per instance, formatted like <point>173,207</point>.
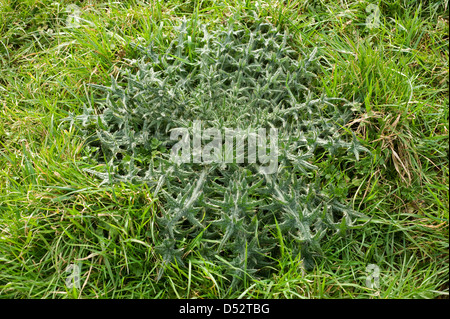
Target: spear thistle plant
<point>242,77</point>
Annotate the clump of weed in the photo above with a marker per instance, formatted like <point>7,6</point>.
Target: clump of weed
<point>234,214</point>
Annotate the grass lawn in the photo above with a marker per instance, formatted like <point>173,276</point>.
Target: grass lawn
<point>390,58</point>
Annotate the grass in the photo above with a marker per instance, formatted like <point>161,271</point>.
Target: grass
<point>53,213</point>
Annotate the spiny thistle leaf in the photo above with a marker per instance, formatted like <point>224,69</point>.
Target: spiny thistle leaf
<point>237,76</point>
